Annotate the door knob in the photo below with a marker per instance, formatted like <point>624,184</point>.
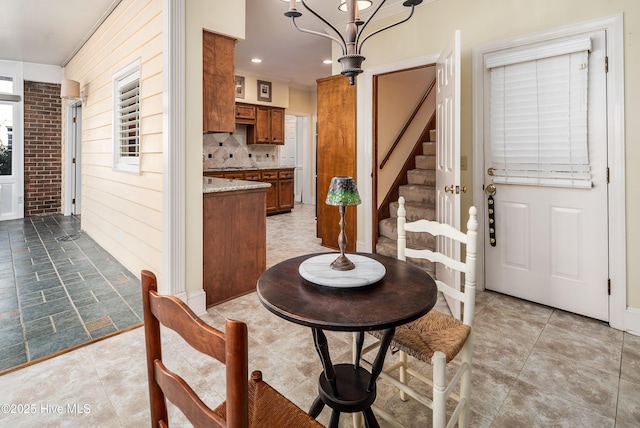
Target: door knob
<point>449,189</point>
<point>490,189</point>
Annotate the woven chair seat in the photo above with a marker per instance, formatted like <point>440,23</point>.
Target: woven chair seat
<point>268,408</point>
<point>433,332</point>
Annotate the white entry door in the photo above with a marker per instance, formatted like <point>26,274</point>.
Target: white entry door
<point>448,157</point>
<point>11,141</point>
<point>76,187</point>
<point>551,243</point>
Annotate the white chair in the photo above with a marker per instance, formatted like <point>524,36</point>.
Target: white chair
<point>436,338</point>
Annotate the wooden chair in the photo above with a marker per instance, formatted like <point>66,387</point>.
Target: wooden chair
<point>249,403</point>
<point>437,338</point>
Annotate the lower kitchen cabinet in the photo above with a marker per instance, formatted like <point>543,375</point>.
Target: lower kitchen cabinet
<point>279,197</point>
<point>234,243</point>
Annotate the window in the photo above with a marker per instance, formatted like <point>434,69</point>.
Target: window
<point>538,115</point>
<point>126,118</point>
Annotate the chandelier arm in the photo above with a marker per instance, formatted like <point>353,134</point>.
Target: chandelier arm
<point>321,18</point>
<point>317,33</point>
<point>367,23</point>
<point>386,28</point>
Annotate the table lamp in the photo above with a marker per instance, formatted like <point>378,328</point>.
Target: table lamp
<point>342,193</point>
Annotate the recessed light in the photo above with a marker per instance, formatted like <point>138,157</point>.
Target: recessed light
<point>327,61</point>
<point>256,60</point>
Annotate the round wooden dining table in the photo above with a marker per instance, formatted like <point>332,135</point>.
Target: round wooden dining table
<point>404,294</point>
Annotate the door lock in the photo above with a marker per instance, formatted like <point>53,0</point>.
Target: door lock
<point>455,190</point>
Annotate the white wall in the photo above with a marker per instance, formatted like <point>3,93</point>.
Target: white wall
<point>121,211</point>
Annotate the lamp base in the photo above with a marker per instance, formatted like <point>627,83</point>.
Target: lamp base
<point>342,263</point>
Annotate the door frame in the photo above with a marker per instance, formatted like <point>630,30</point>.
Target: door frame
<point>619,316</point>
<point>364,144</point>
<point>71,144</point>
<point>304,151</point>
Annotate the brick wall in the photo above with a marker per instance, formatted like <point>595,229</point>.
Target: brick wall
<point>42,149</point>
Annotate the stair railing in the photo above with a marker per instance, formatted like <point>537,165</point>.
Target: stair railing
<point>407,123</point>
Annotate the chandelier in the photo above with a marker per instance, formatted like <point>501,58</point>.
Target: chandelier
<point>352,40</point>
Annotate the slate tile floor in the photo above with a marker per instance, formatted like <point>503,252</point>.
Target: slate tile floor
<point>533,366</point>
<point>58,289</point>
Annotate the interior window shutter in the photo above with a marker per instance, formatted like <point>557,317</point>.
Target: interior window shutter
<point>129,109</point>
<point>538,115</point>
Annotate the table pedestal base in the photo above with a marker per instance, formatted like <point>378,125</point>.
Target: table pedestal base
<point>352,395</point>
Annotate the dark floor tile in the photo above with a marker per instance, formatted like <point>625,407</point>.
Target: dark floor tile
<point>46,345</point>
<point>98,288</point>
<point>65,320</point>
<point>32,287</point>
<point>10,304</point>
<point>84,299</point>
<point>12,356</point>
<point>39,327</point>
<point>45,309</point>
<point>98,310</point>
<point>10,336</point>
<point>6,274</point>
<point>7,293</point>
<point>129,288</point>
<point>125,319</point>
<point>95,334</point>
<point>42,296</point>
<point>10,318</point>
<point>31,277</point>
<point>32,299</point>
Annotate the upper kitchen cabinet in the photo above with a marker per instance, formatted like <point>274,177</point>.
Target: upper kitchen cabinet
<point>218,95</point>
<point>269,125</point>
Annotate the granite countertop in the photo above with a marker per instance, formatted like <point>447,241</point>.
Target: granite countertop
<point>245,168</point>
<point>214,185</point>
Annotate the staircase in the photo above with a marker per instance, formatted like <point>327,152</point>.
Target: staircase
<point>420,197</point>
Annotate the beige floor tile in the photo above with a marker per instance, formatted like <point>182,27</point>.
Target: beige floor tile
<point>589,387</point>
<point>533,366</point>
<point>628,405</point>
<point>529,406</point>
<point>581,349</point>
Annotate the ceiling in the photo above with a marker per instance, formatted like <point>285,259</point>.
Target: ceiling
<point>50,32</point>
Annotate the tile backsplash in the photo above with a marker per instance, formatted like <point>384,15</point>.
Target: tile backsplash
<point>225,150</point>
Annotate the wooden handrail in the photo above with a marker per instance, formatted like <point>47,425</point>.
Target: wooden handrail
<point>407,123</point>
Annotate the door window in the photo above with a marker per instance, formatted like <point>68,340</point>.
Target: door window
<point>538,115</point>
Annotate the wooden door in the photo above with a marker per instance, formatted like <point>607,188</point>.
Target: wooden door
<point>218,94</point>
<point>336,155</point>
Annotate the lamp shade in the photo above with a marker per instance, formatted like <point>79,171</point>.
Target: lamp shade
<point>343,192</point>
<point>362,5</point>
<point>70,89</point>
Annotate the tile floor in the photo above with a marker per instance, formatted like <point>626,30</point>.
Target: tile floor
<point>533,366</point>
<point>58,289</point>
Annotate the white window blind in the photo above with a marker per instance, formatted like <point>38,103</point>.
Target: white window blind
<point>127,119</point>
<point>538,115</point>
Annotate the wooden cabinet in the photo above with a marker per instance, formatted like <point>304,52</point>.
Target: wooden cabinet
<point>279,197</point>
<point>269,126</point>
<point>277,125</point>
<point>336,155</point>
<point>271,177</point>
<point>245,114</point>
<point>218,95</point>
<point>285,190</point>
<point>234,243</point>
